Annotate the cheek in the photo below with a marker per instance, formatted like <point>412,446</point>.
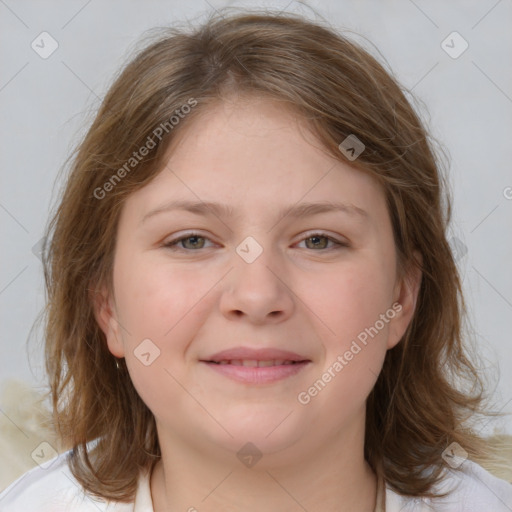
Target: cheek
<point>155,299</point>
<point>161,308</point>
<point>166,305</point>
<point>352,304</point>
<point>350,299</point>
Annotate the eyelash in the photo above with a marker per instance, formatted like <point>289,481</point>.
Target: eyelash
<point>172,244</point>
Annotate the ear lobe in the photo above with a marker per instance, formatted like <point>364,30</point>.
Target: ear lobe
<point>406,295</point>
<point>105,315</point>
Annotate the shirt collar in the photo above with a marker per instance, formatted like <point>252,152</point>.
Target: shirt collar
<point>143,501</point>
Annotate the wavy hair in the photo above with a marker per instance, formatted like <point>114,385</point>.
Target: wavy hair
<point>428,387</point>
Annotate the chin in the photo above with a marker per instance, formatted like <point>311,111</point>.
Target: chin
<point>273,431</point>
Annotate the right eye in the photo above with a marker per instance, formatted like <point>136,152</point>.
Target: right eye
<point>196,242</point>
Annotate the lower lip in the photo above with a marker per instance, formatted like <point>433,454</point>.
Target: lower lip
<point>257,374</point>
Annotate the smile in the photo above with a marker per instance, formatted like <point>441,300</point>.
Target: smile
<point>257,372</point>
<point>255,363</point>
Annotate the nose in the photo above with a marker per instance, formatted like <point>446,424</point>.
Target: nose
<point>258,291</point>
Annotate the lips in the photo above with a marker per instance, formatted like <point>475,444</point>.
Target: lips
<point>240,355</point>
<point>256,366</point>
<point>254,362</point>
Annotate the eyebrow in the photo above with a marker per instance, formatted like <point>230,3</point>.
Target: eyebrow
<point>208,208</point>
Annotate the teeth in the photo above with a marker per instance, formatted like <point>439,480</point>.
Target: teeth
<point>268,363</point>
<point>254,363</point>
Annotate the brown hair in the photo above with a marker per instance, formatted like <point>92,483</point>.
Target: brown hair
<point>428,386</point>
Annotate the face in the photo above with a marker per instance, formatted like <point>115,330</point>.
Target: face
<point>242,323</point>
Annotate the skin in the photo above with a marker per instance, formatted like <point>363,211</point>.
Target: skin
<point>298,295</point>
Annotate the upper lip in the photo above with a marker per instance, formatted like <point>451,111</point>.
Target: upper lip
<point>250,354</point>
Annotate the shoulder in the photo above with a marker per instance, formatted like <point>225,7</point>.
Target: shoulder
<point>470,488</point>
<point>53,488</point>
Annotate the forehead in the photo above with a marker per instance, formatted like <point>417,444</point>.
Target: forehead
<point>255,155</point>
<point>247,118</point>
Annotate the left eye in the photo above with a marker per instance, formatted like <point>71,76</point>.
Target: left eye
<point>317,241</point>
<point>320,241</point>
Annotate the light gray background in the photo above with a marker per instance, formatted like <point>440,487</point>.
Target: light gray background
<point>46,104</point>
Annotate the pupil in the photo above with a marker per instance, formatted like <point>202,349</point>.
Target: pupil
<point>194,239</point>
<point>315,239</point>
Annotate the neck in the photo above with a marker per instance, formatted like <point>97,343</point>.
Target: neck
<point>335,478</point>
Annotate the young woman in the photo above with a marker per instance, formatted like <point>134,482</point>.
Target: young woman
<point>252,304</point>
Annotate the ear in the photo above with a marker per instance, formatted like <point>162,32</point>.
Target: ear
<point>406,294</point>
<point>106,316</point>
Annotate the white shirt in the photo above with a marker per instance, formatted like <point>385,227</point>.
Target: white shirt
<point>54,489</point>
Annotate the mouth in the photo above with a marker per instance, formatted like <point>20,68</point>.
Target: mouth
<point>253,363</point>
<point>260,366</point>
